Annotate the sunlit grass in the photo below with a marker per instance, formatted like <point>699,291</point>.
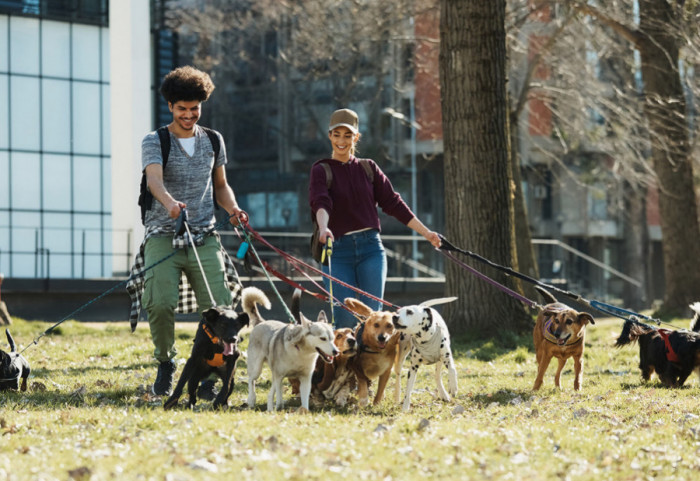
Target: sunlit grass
<point>89,415</point>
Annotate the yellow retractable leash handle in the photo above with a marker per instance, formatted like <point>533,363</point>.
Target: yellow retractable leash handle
<point>328,252</point>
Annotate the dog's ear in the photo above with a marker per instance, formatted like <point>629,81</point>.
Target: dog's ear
<point>358,307</point>
<point>211,315</point>
<point>322,317</point>
<point>584,318</point>
<point>243,319</point>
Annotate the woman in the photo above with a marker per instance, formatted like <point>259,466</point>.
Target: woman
<point>346,212</point>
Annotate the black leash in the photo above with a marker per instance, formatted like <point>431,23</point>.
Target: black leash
<point>600,306</point>
<point>120,284</point>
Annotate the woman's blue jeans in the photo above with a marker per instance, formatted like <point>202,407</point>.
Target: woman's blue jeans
<point>359,260</point>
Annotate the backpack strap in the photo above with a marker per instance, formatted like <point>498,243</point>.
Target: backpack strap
<point>164,137</point>
<point>368,169</point>
<point>216,145</point>
<point>363,162</point>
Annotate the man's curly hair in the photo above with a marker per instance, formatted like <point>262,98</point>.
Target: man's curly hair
<point>186,83</point>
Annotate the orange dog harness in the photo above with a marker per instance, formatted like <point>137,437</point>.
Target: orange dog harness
<point>218,359</point>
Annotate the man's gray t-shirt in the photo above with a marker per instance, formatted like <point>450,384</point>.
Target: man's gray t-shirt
<point>188,179</point>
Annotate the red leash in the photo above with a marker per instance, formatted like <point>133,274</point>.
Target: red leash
<point>300,265</point>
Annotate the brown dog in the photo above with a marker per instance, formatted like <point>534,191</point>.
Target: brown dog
<point>338,378</point>
<point>377,342</point>
<point>559,332</point>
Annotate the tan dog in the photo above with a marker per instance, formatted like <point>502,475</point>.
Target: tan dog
<point>560,332</point>
<point>377,342</point>
<point>338,378</point>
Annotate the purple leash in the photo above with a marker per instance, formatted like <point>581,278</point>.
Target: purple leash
<point>507,290</point>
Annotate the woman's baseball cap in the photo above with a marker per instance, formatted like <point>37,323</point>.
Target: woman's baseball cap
<point>344,118</point>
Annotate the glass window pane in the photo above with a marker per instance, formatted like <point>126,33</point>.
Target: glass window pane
<point>107,184</point>
<point>4,180</point>
<point>24,112</point>
<point>24,45</point>
<point>87,183</point>
<point>25,181</point>
<point>55,108</point>
<point>86,118</point>
<point>86,52</point>
<point>55,49</point>
<point>25,262</point>
<point>106,123</point>
<point>3,43</point>
<point>4,114</point>
<point>87,240</point>
<point>282,209</point>
<point>105,53</point>
<point>56,183</point>
<point>5,243</point>
<point>57,238</point>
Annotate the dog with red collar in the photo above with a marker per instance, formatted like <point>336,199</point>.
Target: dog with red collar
<point>214,351</point>
<point>672,354</point>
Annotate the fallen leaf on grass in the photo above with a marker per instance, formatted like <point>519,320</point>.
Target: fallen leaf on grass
<point>423,424</point>
<point>37,387</point>
<point>204,465</point>
<point>380,430</point>
<point>80,474</point>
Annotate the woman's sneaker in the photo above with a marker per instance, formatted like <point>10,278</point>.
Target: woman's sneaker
<point>164,378</point>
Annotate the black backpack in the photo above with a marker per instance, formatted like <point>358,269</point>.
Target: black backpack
<point>145,196</point>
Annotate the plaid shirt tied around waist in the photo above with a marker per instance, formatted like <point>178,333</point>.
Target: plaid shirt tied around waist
<point>187,302</point>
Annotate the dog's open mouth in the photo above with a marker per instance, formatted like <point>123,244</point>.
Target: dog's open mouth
<point>229,348</point>
<point>326,357</point>
<point>562,340</point>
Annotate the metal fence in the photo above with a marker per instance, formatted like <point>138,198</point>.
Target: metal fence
<point>88,254</point>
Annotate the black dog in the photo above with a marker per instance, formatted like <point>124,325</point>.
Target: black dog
<point>215,350</point>
<point>13,367</point>
<point>673,355</point>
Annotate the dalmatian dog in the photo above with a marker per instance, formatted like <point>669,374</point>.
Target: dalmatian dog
<point>429,344</point>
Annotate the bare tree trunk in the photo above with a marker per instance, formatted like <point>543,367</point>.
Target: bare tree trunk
<point>636,250</point>
<point>478,176</point>
<point>665,109</point>
<point>525,254</point>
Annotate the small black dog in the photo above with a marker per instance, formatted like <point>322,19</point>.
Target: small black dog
<point>215,350</point>
<point>13,367</point>
<point>672,354</point>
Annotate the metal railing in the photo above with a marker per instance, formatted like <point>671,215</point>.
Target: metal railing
<point>86,260</point>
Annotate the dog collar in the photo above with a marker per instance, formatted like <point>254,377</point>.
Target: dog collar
<point>212,337</point>
<point>361,347</point>
<point>549,335</point>
<point>670,353</point>
<point>218,359</point>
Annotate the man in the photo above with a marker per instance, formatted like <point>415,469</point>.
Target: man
<point>192,179</point>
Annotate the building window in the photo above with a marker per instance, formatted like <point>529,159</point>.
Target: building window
<point>55,196</point>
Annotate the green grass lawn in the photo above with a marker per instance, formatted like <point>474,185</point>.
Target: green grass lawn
<point>88,415</point>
